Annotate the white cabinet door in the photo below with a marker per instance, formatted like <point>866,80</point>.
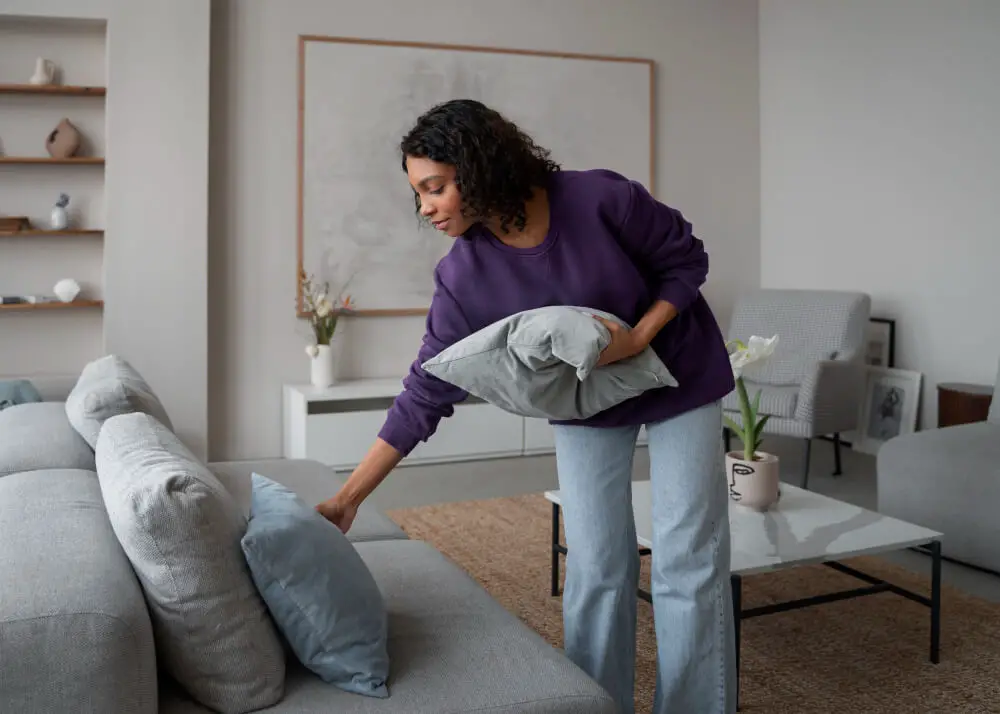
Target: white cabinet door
<point>474,430</point>
<point>539,436</point>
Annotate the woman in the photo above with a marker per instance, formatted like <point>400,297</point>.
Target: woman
<point>529,235</point>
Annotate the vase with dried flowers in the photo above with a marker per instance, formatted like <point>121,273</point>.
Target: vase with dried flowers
<point>323,312</point>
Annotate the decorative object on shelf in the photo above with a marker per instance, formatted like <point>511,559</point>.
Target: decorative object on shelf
<point>67,289</point>
<point>323,313</point>
<point>60,219</point>
<point>63,141</point>
<point>889,408</point>
<point>13,224</point>
<point>45,72</point>
<point>754,476</point>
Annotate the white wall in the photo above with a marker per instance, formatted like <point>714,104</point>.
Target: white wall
<point>880,168</point>
<point>707,165</point>
<point>156,204</point>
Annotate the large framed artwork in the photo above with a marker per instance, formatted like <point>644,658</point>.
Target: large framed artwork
<point>357,227</point>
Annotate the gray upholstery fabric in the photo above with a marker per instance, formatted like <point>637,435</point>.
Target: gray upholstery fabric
<point>312,482</point>
<point>75,634</point>
<point>949,480</point>
<point>994,415</point>
<point>38,435</point>
<point>776,401</point>
<point>819,355</point>
<point>181,530</point>
<point>453,649</point>
<point>109,386</point>
<point>543,363</point>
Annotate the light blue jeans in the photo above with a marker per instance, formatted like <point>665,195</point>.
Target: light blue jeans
<point>692,600</point>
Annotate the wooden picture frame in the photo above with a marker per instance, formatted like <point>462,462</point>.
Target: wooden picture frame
<point>306,41</point>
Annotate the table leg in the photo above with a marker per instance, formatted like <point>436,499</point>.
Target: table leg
<point>736,583</point>
<point>935,548</point>
<point>555,549</point>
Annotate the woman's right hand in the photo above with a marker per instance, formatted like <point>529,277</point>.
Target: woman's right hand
<point>343,508</point>
<point>338,512</point>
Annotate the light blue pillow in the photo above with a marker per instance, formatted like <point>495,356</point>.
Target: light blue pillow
<point>18,391</point>
<point>543,363</point>
<point>318,590</point>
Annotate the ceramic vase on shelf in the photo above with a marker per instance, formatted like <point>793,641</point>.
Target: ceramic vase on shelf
<point>323,360</point>
<point>754,484</point>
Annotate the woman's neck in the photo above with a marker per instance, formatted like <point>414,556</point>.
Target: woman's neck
<point>536,227</point>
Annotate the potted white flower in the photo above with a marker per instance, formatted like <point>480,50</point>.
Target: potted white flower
<point>323,314</point>
<point>754,475</point>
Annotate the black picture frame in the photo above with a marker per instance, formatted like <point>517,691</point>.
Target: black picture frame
<point>890,340</point>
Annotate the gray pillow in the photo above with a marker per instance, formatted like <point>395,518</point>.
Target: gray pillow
<point>542,363</point>
<point>318,589</point>
<point>181,530</point>
<point>37,435</point>
<point>109,386</point>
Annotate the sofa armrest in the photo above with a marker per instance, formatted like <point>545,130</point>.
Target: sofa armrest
<point>830,396</point>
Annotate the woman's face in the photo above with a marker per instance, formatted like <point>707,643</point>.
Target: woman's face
<point>439,198</point>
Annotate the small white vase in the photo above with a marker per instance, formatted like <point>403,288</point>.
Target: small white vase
<point>44,72</point>
<point>58,220</point>
<point>322,367</point>
<point>754,484</point>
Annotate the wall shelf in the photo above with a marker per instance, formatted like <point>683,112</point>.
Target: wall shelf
<point>76,304</point>
<point>53,89</point>
<point>54,234</point>
<point>81,160</point>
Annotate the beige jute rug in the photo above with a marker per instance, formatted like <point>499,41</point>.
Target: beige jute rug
<point>867,655</point>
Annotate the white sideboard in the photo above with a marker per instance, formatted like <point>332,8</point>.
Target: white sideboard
<point>336,426</point>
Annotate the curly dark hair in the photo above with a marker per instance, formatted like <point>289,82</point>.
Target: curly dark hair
<point>497,165</point>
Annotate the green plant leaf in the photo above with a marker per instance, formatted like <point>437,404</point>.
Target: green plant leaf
<point>736,428</point>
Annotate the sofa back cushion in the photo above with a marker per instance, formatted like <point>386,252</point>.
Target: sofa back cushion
<point>75,633</point>
<point>109,386</point>
<point>38,435</point>
<point>181,530</point>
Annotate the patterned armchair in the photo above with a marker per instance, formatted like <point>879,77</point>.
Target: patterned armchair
<point>813,384</point>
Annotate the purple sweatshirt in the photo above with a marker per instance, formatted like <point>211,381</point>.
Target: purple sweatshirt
<point>611,246</point>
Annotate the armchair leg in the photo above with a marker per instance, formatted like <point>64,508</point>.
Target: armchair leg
<point>836,454</point>
<point>727,438</point>
<point>805,473</point>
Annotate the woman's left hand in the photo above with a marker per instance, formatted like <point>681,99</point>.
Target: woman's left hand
<point>624,343</point>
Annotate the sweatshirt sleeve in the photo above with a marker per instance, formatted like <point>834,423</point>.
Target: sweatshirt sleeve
<point>425,399</point>
<point>661,242</point>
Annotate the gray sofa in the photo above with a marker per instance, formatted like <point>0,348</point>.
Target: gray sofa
<point>76,633</point>
<point>948,479</point>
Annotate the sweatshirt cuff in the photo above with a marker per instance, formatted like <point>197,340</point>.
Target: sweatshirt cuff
<point>398,437</point>
<point>677,294</point>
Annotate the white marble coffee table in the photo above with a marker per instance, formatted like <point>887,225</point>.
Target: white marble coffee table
<point>803,528</point>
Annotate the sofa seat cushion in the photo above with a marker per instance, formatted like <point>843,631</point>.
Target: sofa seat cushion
<point>75,633</point>
<point>776,401</point>
<point>109,386</point>
<point>313,482</point>
<point>38,435</point>
<point>181,530</point>
<point>453,649</point>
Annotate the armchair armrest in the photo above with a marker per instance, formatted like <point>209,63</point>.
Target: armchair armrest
<point>830,396</point>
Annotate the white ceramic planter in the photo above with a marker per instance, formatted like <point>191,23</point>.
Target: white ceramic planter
<point>754,484</point>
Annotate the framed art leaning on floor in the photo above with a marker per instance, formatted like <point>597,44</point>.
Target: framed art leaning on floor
<point>890,407</point>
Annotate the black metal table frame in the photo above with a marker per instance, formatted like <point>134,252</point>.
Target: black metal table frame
<point>874,587</point>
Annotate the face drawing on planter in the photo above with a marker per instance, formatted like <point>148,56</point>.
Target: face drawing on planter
<point>743,470</point>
